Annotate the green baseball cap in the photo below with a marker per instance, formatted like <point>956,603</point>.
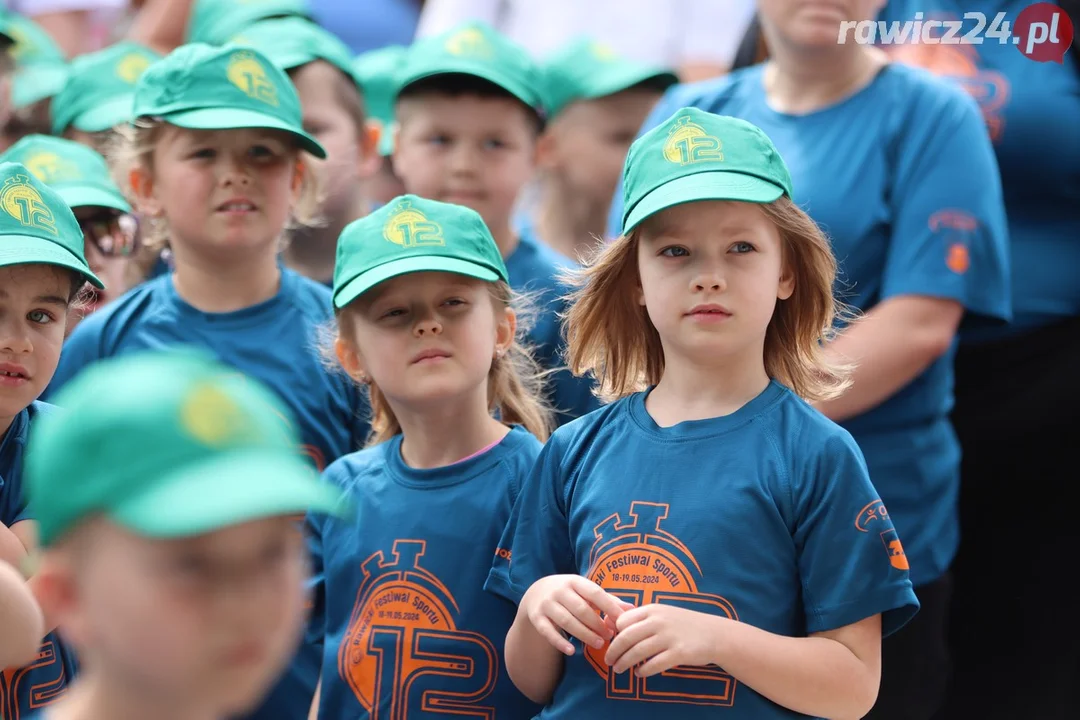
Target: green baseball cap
<point>202,87</point>
<point>586,70</point>
<point>377,72</point>
<point>37,81</point>
<point>100,89</point>
<point>695,155</point>
<point>32,43</point>
<point>37,226</point>
<point>78,174</point>
<point>168,444</point>
<point>215,22</point>
<point>478,50</point>
<point>292,42</point>
<point>408,235</point>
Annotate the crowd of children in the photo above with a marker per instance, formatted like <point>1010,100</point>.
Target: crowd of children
<point>326,392</point>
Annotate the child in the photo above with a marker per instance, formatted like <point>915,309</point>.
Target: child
<point>168,491</point>
<point>215,162</point>
<point>320,67</point>
<point>42,268</point>
<point>377,71</point>
<point>423,308</point>
<point>99,92</point>
<point>81,178</point>
<point>728,531</point>
<point>469,109</point>
<point>217,21</point>
<point>40,73</point>
<point>596,102</point>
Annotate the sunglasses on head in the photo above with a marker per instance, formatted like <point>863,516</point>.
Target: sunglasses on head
<point>113,235</point>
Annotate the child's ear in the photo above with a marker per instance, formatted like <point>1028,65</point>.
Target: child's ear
<point>368,159</point>
<point>300,171</point>
<point>143,187</point>
<point>350,359</point>
<point>547,147</point>
<point>505,332</point>
<point>787,283</point>
<point>54,587</point>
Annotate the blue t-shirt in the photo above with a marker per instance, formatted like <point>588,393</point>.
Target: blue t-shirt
<point>369,25</point>
<point>1032,112</point>
<point>534,270</point>
<point>766,516</point>
<point>27,689</point>
<point>408,626</point>
<point>902,178</point>
<point>275,342</point>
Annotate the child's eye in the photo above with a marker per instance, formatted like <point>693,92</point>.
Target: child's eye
<point>40,317</point>
<point>674,251</point>
<point>204,154</point>
<point>494,144</point>
<point>439,140</point>
<point>454,301</point>
<point>393,313</point>
<point>261,151</point>
<point>740,248</point>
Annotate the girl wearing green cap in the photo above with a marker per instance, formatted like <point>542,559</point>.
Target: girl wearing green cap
<point>727,531</point>
<point>425,323</point>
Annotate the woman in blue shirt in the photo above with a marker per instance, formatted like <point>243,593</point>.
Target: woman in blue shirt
<point>1017,389</point>
<point>895,166</point>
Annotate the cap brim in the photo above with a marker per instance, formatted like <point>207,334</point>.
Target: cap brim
<point>425,263</point>
<point>623,78</point>
<point>84,196</point>
<point>702,186</point>
<point>233,118</point>
<point>492,75</point>
<point>37,82</point>
<point>29,250</point>
<point>106,115</point>
<point>227,490</point>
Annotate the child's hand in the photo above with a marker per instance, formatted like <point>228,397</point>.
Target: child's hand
<point>571,604</point>
<point>662,637</point>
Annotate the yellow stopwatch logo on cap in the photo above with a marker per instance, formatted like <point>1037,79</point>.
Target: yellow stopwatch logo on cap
<point>603,53</point>
<point>408,227</point>
<point>22,201</point>
<point>50,168</point>
<point>131,67</point>
<point>211,416</point>
<point>247,73</point>
<point>469,41</point>
<point>22,42</point>
<point>688,143</point>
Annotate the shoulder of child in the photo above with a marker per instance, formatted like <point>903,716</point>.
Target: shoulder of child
<point>349,470</point>
<point>311,297</point>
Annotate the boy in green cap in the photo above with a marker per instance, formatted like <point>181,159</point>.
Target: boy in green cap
<point>596,102</point>
<point>469,110</point>
<point>168,490</point>
<point>377,72</point>
<point>216,22</point>
<point>39,74</point>
<point>99,93</point>
<point>320,67</point>
<point>81,177</point>
<point>42,267</point>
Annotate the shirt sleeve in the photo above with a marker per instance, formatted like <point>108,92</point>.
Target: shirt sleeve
<point>949,234</point>
<point>851,562</point>
<point>536,541</point>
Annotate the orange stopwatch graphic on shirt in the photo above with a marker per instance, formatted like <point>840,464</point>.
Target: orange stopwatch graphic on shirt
<point>402,652</point>
<point>636,560</point>
<point>22,693</point>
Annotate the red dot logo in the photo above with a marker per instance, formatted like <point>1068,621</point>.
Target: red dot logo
<point>1043,32</point>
